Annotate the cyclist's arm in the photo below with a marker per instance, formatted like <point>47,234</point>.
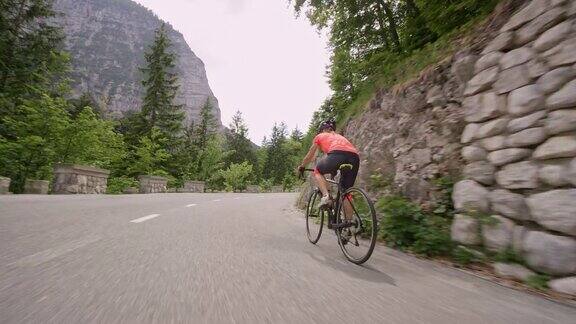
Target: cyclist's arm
<point>311,154</point>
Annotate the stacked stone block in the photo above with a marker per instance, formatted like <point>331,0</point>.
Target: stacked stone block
<point>152,184</point>
<point>4,185</point>
<point>79,179</point>
<point>193,186</point>
<point>520,143</point>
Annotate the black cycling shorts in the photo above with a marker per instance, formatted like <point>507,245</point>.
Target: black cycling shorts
<point>332,162</point>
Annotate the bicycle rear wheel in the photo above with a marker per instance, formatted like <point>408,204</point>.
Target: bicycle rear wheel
<point>314,217</point>
<point>357,242</point>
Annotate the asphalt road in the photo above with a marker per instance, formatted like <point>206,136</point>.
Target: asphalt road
<point>221,258</point>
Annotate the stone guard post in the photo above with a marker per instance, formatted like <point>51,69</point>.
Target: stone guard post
<point>193,186</point>
<point>79,179</point>
<point>152,184</point>
<point>4,185</point>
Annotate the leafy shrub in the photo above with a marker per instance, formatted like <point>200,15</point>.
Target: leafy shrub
<point>175,182</point>
<point>266,185</point>
<point>406,226</point>
<point>236,176</point>
<point>400,221</point>
<point>118,185</point>
<point>463,255</point>
<point>288,183</point>
<point>379,181</point>
<point>538,281</point>
<point>444,16</point>
<point>433,237</point>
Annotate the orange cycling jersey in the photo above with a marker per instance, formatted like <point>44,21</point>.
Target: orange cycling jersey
<point>330,142</point>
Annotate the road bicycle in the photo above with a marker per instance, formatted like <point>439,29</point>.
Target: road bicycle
<point>357,237</point>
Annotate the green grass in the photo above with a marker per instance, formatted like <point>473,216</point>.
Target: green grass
<point>538,281</point>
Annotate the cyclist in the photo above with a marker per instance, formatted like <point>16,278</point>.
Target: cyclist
<point>339,151</point>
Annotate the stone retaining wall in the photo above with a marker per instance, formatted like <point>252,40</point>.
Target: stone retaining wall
<point>520,142</point>
<point>152,184</point>
<point>193,186</point>
<point>36,187</point>
<point>4,185</point>
<point>79,179</point>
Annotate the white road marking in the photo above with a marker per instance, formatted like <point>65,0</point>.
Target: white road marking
<point>216,199</point>
<point>145,218</point>
<point>37,259</point>
<point>236,198</point>
<point>191,205</point>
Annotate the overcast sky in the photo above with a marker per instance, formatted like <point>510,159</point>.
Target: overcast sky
<point>260,59</point>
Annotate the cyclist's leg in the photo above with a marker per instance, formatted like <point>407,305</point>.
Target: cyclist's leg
<point>347,179</point>
<point>327,165</point>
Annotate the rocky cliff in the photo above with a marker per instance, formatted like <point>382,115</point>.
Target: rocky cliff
<point>107,40</point>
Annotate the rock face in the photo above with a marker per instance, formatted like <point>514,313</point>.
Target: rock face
<point>107,40</point>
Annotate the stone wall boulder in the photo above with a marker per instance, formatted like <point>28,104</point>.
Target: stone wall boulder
<point>468,195</point>
<point>521,175</point>
<point>497,233</point>
<point>564,285</point>
<point>551,254</point>
<point>466,230</point>
<point>513,271</point>
<point>555,210</point>
<point>480,171</point>
<point>509,204</point>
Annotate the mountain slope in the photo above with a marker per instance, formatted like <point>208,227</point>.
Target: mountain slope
<point>107,40</point>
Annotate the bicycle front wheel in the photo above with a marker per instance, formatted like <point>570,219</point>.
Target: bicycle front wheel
<point>314,217</point>
<point>357,241</point>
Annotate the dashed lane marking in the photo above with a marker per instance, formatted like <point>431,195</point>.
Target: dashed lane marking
<point>191,205</point>
<point>216,200</point>
<point>145,218</point>
<point>41,257</point>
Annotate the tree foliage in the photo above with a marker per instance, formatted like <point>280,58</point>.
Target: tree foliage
<point>368,37</point>
<point>160,82</point>
<point>236,177</point>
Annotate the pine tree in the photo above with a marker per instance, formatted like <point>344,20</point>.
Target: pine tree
<point>159,108</point>
<point>296,135</point>
<point>277,162</point>
<point>32,62</point>
<point>206,128</point>
<point>238,143</point>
